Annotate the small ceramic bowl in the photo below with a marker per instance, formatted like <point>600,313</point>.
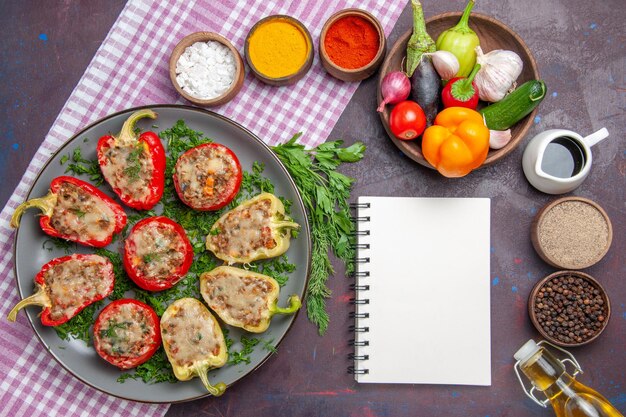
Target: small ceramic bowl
<point>538,303</point>
<point>291,78</point>
<point>357,74</point>
<point>205,37</point>
<point>571,233</point>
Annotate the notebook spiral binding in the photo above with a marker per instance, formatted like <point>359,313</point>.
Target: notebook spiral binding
<point>360,299</point>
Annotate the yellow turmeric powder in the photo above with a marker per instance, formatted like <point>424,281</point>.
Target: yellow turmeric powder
<point>278,48</point>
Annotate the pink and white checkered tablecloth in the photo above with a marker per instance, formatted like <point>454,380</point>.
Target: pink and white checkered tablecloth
<point>131,69</point>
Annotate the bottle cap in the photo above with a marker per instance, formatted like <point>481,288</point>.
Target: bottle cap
<point>526,351</point>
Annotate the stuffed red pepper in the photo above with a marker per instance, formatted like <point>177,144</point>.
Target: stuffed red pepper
<point>66,285</point>
<point>157,253</point>
<point>207,177</point>
<point>127,333</point>
<point>77,211</point>
<point>134,165</point>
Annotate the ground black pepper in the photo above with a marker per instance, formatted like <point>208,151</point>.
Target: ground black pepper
<point>570,309</point>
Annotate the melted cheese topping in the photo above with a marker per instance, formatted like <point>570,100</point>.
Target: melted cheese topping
<point>75,282</point>
<point>127,331</point>
<point>238,299</point>
<point>158,251</point>
<point>129,169</point>
<point>190,335</point>
<point>81,215</point>
<point>206,176</point>
<point>245,230</point>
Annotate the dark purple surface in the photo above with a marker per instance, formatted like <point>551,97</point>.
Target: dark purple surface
<point>579,48</point>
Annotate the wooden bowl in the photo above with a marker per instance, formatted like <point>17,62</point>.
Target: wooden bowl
<point>534,301</point>
<point>356,74</point>
<point>205,37</point>
<point>493,35</point>
<point>563,236</point>
<point>289,79</point>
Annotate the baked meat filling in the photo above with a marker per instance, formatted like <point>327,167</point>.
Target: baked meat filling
<point>245,231</point>
<point>73,283</point>
<point>129,169</point>
<point>205,175</point>
<point>81,215</point>
<point>191,336</point>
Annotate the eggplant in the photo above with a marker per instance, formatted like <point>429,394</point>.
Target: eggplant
<point>426,89</point>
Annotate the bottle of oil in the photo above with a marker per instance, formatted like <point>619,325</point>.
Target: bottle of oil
<point>568,397</point>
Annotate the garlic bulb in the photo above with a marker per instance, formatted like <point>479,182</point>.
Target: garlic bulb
<point>498,72</point>
<point>445,63</point>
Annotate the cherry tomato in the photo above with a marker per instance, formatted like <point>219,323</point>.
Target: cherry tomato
<point>407,120</point>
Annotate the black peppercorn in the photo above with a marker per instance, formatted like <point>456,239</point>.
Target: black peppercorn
<point>570,309</point>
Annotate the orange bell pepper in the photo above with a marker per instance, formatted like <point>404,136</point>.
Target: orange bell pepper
<point>457,142</point>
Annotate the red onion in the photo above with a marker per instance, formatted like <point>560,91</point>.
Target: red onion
<point>395,88</point>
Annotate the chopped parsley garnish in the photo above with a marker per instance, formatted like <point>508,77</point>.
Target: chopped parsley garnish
<point>123,284</point>
<point>278,268</point>
<point>179,138</point>
<point>79,213</point>
<point>269,346</point>
<point>111,332</point>
<point>78,326</point>
<point>58,243</point>
<point>133,172</point>
<point>151,257</point>
<point>82,166</point>
<point>243,355</point>
<point>157,369</point>
<point>134,161</point>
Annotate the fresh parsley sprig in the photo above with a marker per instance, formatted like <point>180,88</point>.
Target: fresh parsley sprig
<point>326,195</point>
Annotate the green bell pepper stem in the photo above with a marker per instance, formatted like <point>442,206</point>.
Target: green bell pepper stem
<point>420,41</point>
<point>45,204</point>
<point>294,305</point>
<point>40,298</point>
<point>215,390</point>
<point>463,25</point>
<point>127,134</point>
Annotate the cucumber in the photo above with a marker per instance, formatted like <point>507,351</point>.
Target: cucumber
<point>515,106</point>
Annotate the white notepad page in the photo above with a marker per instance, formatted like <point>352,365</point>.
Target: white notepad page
<point>429,291</point>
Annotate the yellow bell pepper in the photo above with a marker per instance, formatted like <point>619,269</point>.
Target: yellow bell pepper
<point>457,142</point>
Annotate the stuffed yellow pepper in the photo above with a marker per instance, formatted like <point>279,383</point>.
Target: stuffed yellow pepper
<point>256,229</point>
<point>244,299</point>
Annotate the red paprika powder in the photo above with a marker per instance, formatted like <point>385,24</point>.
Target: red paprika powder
<point>351,42</point>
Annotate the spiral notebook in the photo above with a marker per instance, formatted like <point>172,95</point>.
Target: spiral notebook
<point>422,291</point>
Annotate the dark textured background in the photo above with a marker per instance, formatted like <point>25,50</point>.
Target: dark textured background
<point>579,48</point>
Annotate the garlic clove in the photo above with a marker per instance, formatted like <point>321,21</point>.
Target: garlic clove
<point>498,139</point>
<point>446,64</point>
